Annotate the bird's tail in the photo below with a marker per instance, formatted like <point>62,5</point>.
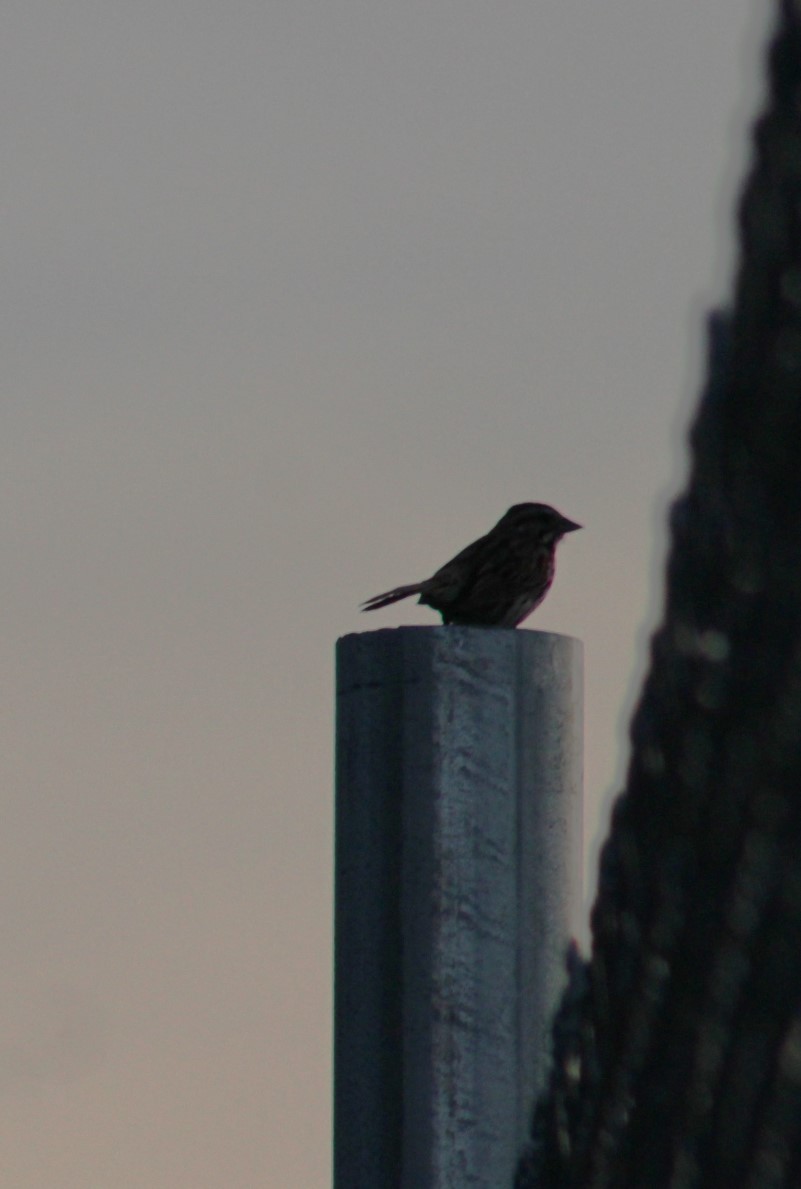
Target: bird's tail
<point>391,596</point>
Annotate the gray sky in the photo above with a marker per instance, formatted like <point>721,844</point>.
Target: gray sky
<point>299,297</point>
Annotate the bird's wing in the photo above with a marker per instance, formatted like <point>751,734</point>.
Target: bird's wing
<point>491,582</point>
<point>455,576</point>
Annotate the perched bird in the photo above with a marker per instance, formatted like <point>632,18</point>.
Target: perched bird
<point>499,579</point>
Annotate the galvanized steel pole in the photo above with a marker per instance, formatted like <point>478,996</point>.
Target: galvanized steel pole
<point>458,861</point>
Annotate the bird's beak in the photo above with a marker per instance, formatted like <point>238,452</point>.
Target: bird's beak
<point>569,526</point>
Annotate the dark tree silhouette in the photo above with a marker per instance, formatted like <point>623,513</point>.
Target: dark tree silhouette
<point>677,1050</point>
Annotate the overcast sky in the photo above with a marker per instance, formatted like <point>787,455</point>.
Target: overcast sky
<point>299,297</point>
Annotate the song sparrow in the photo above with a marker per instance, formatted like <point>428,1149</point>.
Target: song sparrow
<point>499,579</point>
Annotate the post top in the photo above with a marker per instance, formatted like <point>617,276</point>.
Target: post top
<point>461,632</point>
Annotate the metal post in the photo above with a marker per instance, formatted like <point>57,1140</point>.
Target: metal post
<point>458,839</point>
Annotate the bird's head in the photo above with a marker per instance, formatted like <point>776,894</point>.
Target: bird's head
<point>540,521</point>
